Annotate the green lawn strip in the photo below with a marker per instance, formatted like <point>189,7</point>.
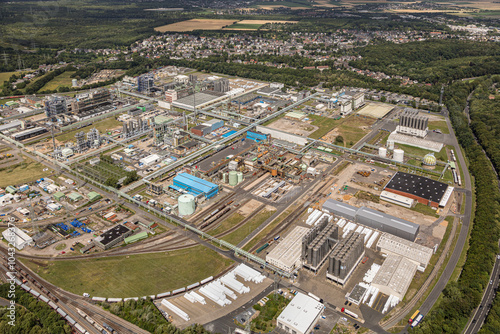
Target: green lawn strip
<point>325,125</point>
<point>133,275</point>
<point>237,236</point>
<point>63,79</point>
<point>269,228</point>
<point>425,209</point>
<point>439,125</point>
<point>229,222</point>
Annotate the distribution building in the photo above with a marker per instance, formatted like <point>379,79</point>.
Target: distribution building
<point>300,315</point>
<point>185,182</point>
<point>286,255</point>
<point>391,244</point>
<point>419,188</point>
<point>372,218</point>
<point>395,276</point>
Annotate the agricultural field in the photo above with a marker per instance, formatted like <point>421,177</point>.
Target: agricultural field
<point>133,275</point>
<point>254,24</point>
<point>102,126</point>
<point>21,173</point>
<point>61,80</point>
<point>292,4</point>
<point>196,24</point>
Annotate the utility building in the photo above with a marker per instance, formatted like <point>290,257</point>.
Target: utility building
<point>301,315</point>
<point>112,236</point>
<point>16,237</point>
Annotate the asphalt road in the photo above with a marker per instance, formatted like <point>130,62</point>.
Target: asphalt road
<point>482,312</point>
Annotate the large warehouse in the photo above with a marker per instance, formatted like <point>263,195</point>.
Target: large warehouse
<point>419,188</point>
<point>391,244</point>
<point>395,276</point>
<point>301,315</point>
<point>185,182</point>
<point>286,255</point>
<point>372,218</point>
<point>16,237</point>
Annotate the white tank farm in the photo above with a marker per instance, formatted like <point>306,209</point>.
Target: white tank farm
<point>399,155</point>
<point>186,204</point>
<point>233,178</point>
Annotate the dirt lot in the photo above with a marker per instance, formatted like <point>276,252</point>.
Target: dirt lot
<point>195,24</point>
<point>249,207</point>
<point>295,127</point>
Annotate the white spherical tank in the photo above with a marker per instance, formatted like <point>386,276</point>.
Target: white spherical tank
<point>186,204</point>
<point>382,152</point>
<point>399,155</point>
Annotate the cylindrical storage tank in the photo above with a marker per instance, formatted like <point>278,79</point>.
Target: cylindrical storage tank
<point>224,177</point>
<point>186,204</point>
<point>233,178</point>
<point>240,177</point>
<point>382,152</point>
<point>390,144</point>
<point>74,83</point>
<point>399,155</point>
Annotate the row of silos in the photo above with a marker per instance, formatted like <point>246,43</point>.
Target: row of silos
<point>398,154</point>
<point>233,177</point>
<point>345,255</point>
<point>321,245</point>
<point>313,233</point>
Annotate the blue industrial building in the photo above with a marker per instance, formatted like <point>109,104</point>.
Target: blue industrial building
<point>185,182</point>
<point>257,137</point>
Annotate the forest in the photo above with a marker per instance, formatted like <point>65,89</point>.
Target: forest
<point>32,316</point>
<point>433,61</point>
<point>460,297</point>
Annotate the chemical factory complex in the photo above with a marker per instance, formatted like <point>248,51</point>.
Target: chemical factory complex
<point>317,195</point>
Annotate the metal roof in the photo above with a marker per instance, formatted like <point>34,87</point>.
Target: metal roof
<point>417,185</point>
<point>388,220</point>
<point>195,182</point>
<point>341,209</point>
<point>301,312</point>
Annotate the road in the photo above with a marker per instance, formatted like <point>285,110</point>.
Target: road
<point>489,294</point>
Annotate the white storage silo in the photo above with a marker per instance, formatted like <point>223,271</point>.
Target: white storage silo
<point>390,144</point>
<point>240,177</point>
<point>382,152</point>
<point>186,204</point>
<point>399,155</point>
<point>233,178</point>
<point>224,177</point>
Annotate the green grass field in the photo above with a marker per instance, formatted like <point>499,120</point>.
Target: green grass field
<point>63,79</point>
<point>237,236</point>
<point>102,126</point>
<point>21,173</point>
<point>325,124</point>
<point>229,222</point>
<point>134,275</point>
<point>290,3</point>
<point>420,152</point>
<point>262,234</point>
<point>244,26</point>
<point>439,125</point>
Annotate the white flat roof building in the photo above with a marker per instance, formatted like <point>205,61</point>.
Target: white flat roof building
<point>396,199</point>
<point>395,275</point>
<point>418,254</point>
<point>151,159</point>
<point>300,316</point>
<point>286,255</point>
<point>16,237</point>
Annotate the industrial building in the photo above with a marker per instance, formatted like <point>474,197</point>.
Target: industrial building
<point>395,276</point>
<point>277,134</point>
<point>391,244</point>
<point>374,219</point>
<point>345,256</point>
<point>30,133</point>
<point>419,188</point>
<point>300,315</point>
<point>211,164</point>
<point>214,124</point>
<point>318,242</point>
<point>112,237</point>
<point>56,105</point>
<point>411,123</point>
<point>397,199</point>
<point>16,237</point>
<point>145,82</point>
<point>201,130</point>
<point>198,100</point>
<point>91,102</point>
<point>286,255</point>
<point>185,182</point>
